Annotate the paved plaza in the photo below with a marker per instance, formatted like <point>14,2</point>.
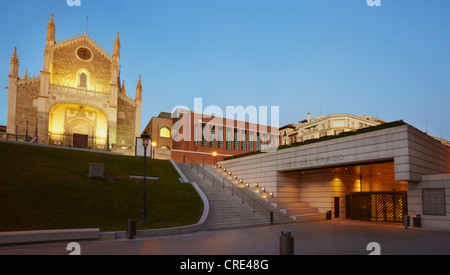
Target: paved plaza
<point>337,237</point>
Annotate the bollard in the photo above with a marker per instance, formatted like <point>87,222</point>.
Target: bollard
<point>417,221</point>
<point>286,243</point>
<point>406,221</point>
<point>131,229</point>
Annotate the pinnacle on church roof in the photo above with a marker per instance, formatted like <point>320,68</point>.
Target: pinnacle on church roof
<point>51,29</point>
<point>117,46</point>
<point>139,85</point>
<point>118,38</point>
<point>123,90</point>
<point>14,58</point>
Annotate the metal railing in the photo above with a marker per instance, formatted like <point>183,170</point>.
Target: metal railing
<point>235,190</point>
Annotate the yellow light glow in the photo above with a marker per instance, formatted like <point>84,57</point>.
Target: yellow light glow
<point>154,144</point>
<point>164,132</point>
<point>69,119</point>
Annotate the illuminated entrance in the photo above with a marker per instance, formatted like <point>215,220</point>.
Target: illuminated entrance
<point>361,192</point>
<point>377,206</point>
<point>80,141</point>
<point>78,126</point>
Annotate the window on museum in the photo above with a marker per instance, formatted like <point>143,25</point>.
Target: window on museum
<point>251,139</point>
<point>220,136</point>
<point>203,142</point>
<point>265,141</point>
<point>83,80</point>
<point>212,138</point>
<point>195,136</point>
<point>244,140</point>
<point>228,142</point>
<point>258,142</point>
<point>164,132</point>
<point>236,140</point>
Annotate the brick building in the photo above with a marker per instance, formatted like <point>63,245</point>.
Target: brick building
<point>207,139</point>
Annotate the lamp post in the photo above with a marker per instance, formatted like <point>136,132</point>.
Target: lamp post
<point>145,140</point>
<point>214,156</point>
<point>153,149</point>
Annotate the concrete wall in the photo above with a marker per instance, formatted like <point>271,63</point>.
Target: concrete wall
<point>426,156</point>
<point>415,200</point>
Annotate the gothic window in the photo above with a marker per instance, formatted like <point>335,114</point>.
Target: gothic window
<point>83,81</point>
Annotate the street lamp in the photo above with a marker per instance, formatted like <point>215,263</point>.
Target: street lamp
<point>153,148</point>
<point>214,156</point>
<point>145,140</point>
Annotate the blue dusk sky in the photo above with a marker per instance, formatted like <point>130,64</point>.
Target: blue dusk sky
<point>305,56</point>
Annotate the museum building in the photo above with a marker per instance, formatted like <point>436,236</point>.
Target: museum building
<point>77,100</point>
<point>380,174</point>
<point>187,136</point>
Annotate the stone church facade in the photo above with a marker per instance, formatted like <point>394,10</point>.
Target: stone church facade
<point>78,100</point>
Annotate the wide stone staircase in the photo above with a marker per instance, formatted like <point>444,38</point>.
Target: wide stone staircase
<point>286,201</point>
<point>230,207</point>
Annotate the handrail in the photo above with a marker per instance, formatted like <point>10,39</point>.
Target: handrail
<point>227,184</point>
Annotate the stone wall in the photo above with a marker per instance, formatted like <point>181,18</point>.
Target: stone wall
<point>126,121</point>
<point>27,92</point>
<point>65,65</point>
<point>426,156</point>
<point>415,201</point>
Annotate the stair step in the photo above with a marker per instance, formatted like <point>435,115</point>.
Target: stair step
<point>309,217</point>
<point>300,211</point>
<point>289,205</point>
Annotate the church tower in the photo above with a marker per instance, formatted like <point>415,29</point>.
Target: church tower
<point>138,107</point>
<point>12,94</point>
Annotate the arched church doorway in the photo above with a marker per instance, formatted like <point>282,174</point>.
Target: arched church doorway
<point>78,126</point>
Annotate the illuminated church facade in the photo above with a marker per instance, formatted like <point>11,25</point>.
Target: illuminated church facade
<point>78,100</point>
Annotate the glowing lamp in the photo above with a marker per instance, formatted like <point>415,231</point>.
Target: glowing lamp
<point>145,139</point>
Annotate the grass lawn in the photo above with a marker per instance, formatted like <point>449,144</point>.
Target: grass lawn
<point>48,188</point>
